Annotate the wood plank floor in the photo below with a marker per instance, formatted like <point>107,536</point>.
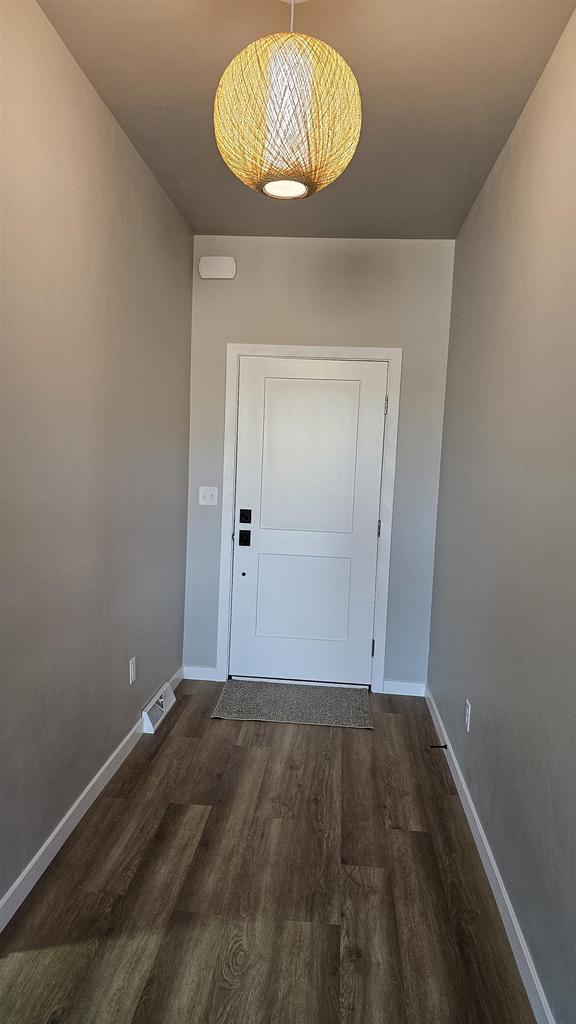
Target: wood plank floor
<point>251,873</point>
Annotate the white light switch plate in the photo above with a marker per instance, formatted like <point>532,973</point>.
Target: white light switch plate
<point>207,495</point>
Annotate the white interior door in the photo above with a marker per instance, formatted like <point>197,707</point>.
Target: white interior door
<point>309,460</point>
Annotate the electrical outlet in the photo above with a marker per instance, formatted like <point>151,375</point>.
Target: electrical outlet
<point>467,714</point>
<point>132,670</point>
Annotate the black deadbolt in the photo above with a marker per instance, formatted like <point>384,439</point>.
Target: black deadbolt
<point>245,515</point>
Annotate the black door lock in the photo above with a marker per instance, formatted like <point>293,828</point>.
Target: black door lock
<point>245,515</point>
<point>244,538</point>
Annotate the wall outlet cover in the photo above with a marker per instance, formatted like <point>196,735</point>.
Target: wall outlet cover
<point>467,715</point>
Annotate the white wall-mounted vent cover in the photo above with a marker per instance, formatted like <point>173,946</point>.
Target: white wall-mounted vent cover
<point>156,711</point>
<point>217,268</point>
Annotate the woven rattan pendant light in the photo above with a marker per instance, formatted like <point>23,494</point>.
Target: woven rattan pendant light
<point>287,115</point>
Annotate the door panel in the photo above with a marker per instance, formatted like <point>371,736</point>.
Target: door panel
<point>309,460</point>
<point>310,435</point>
<point>323,588</point>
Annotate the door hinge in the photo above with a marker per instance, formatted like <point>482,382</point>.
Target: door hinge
<point>386,405</point>
<point>379,527</point>
<point>373,646</point>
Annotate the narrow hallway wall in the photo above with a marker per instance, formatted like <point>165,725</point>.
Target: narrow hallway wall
<point>94,407</point>
<point>504,605</point>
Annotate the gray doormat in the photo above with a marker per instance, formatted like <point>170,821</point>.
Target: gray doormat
<point>263,701</point>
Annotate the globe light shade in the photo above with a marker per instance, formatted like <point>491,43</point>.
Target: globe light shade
<point>287,115</point>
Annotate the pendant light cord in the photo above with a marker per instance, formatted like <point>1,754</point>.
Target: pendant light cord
<point>292,16</point>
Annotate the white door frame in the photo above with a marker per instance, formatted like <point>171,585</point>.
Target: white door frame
<point>393,356</point>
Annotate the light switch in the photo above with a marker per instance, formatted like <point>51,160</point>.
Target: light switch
<point>207,495</point>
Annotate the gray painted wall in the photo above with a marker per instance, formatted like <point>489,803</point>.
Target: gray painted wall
<point>504,608</point>
<point>96,292</point>
<point>327,292</point>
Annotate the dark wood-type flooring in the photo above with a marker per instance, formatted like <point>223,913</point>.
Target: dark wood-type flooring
<point>243,872</point>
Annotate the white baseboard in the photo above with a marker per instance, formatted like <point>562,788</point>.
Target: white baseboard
<point>177,678</point>
<point>19,890</point>
<point>401,689</point>
<point>528,973</point>
<point>26,881</point>
<point>208,674</point>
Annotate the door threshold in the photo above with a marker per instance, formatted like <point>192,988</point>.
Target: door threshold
<point>301,682</point>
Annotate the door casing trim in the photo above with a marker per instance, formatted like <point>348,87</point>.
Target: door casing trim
<point>392,356</point>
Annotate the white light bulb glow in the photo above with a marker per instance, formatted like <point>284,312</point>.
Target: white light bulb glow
<point>285,189</point>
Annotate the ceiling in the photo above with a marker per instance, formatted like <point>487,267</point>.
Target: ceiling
<point>442,83</point>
